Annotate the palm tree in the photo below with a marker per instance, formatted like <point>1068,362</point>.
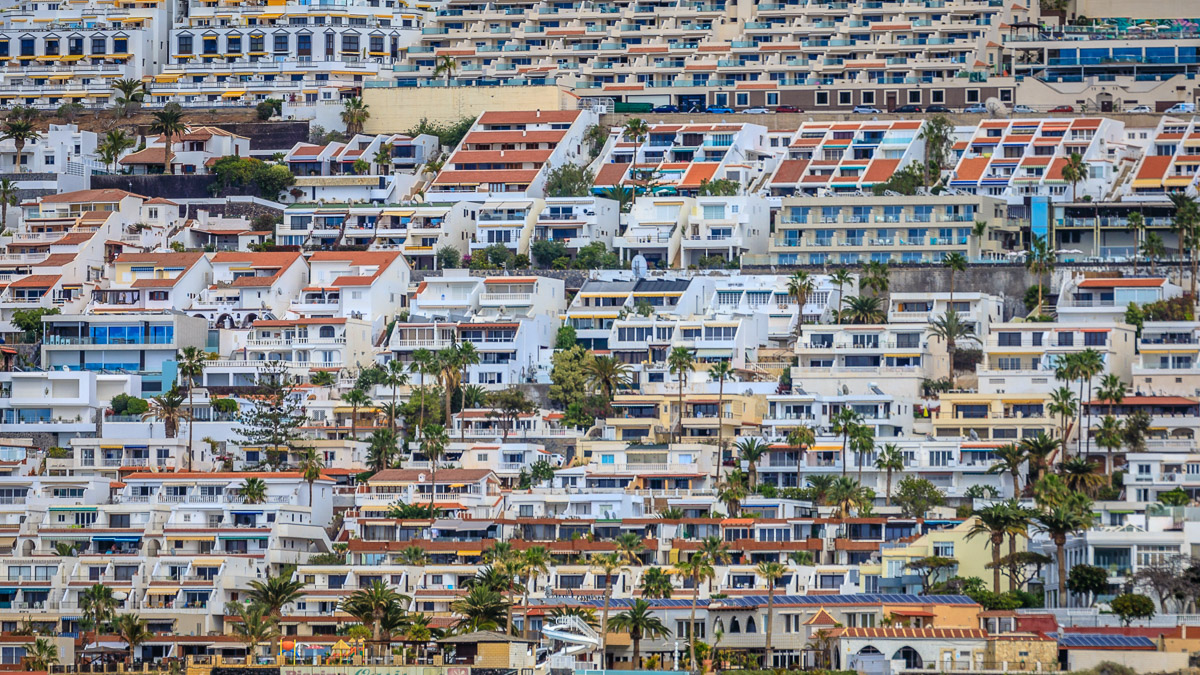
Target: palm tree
<point>96,605</point>
<point>169,123</point>
<point>311,465</point>
<point>413,555</point>
<point>253,490</point>
<point>656,583</point>
<point>383,157</point>
<point>1091,364</point>
<point>876,277</point>
<point>8,197</point>
<point>1136,223</point>
<point>841,277</point>
<point>1185,220</point>
<point>846,495</point>
<point>889,460</point>
<point>534,562</point>
<point>1074,171</point>
<point>1039,451</point>
<point>354,115</point>
<point>482,608</point>
<point>607,374</point>
<point>191,363</point>
<point>1010,457</point>
<point>992,521</point>
<point>433,446</point>
<point>1153,248</point>
<point>1110,436</point>
<point>396,377</point>
<point>951,328</point>
<point>733,491</point>
<point>424,362</point>
<point>132,629</point>
<point>275,592</point>
<point>863,445</point>
<point>623,196</point>
<point>371,605</point>
<point>41,655</point>
<point>845,424</point>
<point>752,450</point>
<point>681,362</point>
<point>630,548</point>
<point>771,572</point>
<point>381,448</point>
<point>862,310</point>
<point>1019,520</point>
<point>801,438</point>
<point>821,484</point>
<point>636,130</point>
<point>801,285</point>
<point>21,131</point>
<point>130,92</point>
<point>697,567</point>
<point>1081,475</point>
<point>1059,523</point>
<point>256,627</point>
<point>606,564</point>
<point>1062,403</point>
<point>938,135</point>
<point>954,262</point>
<point>355,398</point>
<point>720,371</point>
<point>640,622</point>
<point>1040,262</point>
<point>168,409</point>
<point>1112,391</point>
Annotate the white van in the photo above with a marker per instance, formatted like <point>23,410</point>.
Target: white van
<point>1181,109</point>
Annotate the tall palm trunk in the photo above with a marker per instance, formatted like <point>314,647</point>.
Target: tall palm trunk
<point>1060,553</point>
<point>720,425</point>
<point>679,436</point>
<point>887,498</point>
<point>692,625</point>
<point>604,621</point>
<point>845,456</point>
<point>192,426</point>
<point>770,620</point>
<point>525,602</point>
<point>997,542</point>
<point>1012,551</point>
<point>636,636</point>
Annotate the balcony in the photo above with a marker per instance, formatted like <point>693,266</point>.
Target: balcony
<point>506,299</point>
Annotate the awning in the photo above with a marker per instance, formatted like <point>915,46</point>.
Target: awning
<point>105,537</point>
<point>470,552</point>
<point>163,590</point>
<point>176,537</point>
<point>233,94</point>
<point>73,508</point>
<point>237,537</point>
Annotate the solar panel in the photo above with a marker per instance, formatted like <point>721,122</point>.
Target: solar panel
<point>1085,640</point>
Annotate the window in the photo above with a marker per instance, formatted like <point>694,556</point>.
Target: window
<point>914,96</point>
<point>743,99</point>
<point>944,549</point>
<point>868,98</point>
<point>845,98</point>
<point>822,98</point>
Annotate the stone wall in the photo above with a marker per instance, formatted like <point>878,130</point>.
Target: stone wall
<point>269,136</point>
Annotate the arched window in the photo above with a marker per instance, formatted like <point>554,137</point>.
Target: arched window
<point>750,626</point>
<point>735,626</point>
<point>912,660</point>
<point>326,331</point>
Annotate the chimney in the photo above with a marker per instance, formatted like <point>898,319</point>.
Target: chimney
<point>539,112</point>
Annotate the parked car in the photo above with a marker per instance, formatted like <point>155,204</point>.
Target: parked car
<point>907,109</point>
<point>718,111</point>
<point>667,109</point>
<point>938,109</point>
<point>1023,109</point>
<point>1140,109</point>
<point>866,110</point>
<point>1181,109</point>
<point>1063,109</point>
<point>755,111</point>
<point>976,109</point>
<point>787,109</point>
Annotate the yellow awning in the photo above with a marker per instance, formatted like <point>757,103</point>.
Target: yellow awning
<point>470,552</point>
<point>900,356</point>
<point>1178,182</point>
<point>74,94</point>
<point>375,507</point>
<point>191,537</point>
<point>233,94</point>
<point>1153,182</point>
<point>163,590</point>
<point>72,57</point>
<point>397,213</point>
<point>61,77</point>
<point>167,78</point>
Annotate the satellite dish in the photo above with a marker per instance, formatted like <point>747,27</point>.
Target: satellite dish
<point>995,108</point>
<point>974,435</point>
<point>421,478</point>
<point>120,595</point>
<point>640,268</point>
